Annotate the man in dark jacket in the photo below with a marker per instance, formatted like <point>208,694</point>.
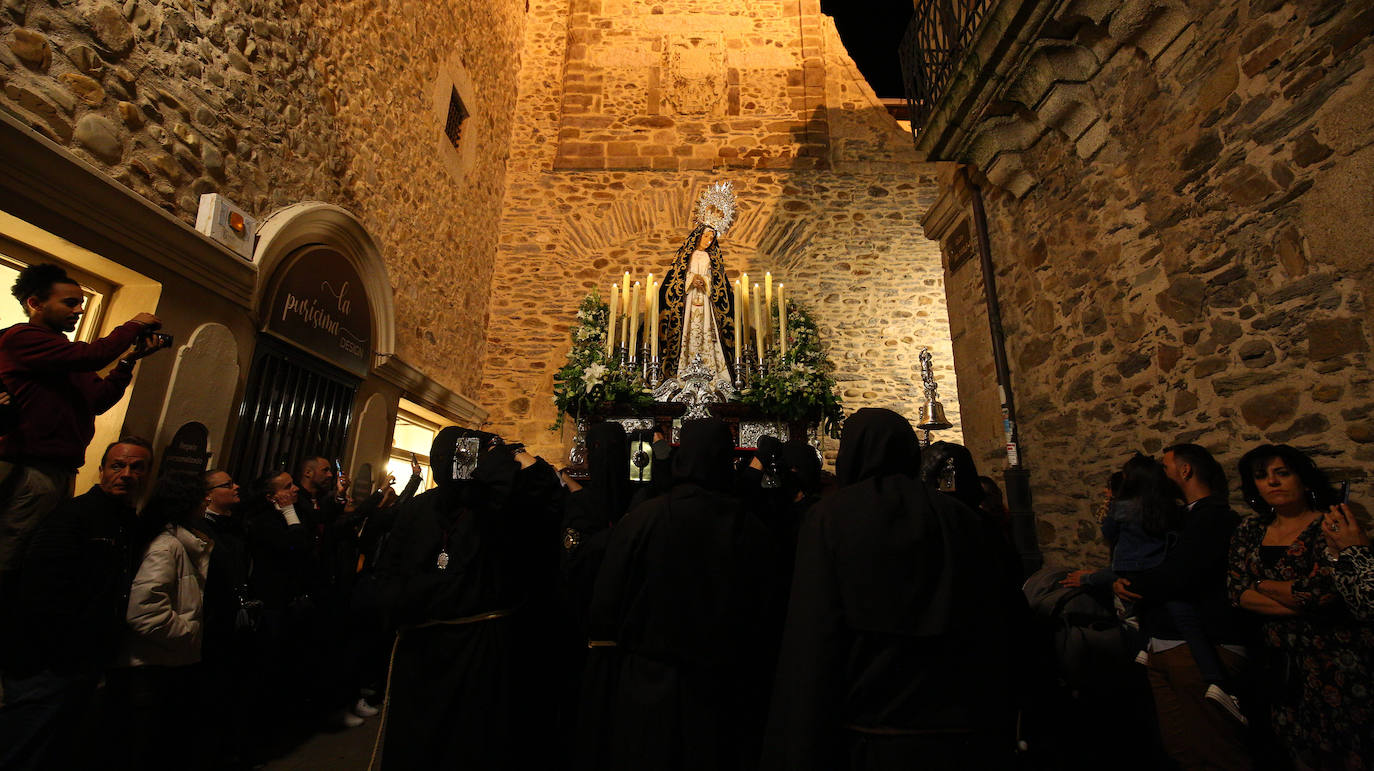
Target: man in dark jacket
<point>77,569</point>
<point>56,394</point>
<point>1197,731</point>
<point>677,620</point>
<point>331,574</point>
<point>322,508</point>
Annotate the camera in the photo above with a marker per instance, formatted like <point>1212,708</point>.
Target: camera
<point>153,340</point>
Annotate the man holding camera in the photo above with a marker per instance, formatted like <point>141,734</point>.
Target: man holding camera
<point>57,393</point>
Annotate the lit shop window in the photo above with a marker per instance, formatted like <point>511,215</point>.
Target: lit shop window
<point>412,438</point>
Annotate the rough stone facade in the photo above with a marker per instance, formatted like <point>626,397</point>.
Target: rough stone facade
<point>271,102</point>
<point>1179,248</point>
<point>630,109</point>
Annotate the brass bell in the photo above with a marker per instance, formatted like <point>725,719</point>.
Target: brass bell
<point>932,412</point>
<point>933,416</point>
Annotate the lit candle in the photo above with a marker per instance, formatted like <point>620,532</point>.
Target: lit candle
<point>782,320</point>
<point>611,321</point>
<point>739,319</point>
<point>625,319</point>
<point>758,325</point>
<point>653,321</point>
<point>625,294</point>
<point>744,283</point>
<point>634,321</point>
<point>649,292</point>
<point>768,306</point>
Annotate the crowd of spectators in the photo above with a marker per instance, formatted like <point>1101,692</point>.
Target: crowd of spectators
<point>669,606</point>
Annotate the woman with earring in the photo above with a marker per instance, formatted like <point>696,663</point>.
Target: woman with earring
<point>1317,657</point>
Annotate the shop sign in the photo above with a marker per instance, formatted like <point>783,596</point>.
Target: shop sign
<point>188,452</point>
<point>320,305</point>
<point>959,246</point>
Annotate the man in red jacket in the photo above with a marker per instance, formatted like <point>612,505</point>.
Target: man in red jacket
<point>56,393</point>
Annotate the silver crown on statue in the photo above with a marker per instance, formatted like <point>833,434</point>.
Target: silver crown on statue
<point>716,207</point>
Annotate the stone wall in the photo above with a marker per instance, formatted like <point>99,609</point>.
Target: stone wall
<point>1179,244</point>
<point>271,102</point>
<point>630,109</point>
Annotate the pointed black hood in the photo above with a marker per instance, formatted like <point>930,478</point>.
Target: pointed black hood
<point>705,454</point>
<point>876,443</point>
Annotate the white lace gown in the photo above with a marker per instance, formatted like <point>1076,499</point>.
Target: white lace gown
<point>700,337</point>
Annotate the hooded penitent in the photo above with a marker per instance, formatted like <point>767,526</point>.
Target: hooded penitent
<point>588,516</point>
<point>889,638</point>
<point>468,570</point>
<point>681,594</point>
<point>608,464</point>
<point>703,455</point>
<point>949,467</point>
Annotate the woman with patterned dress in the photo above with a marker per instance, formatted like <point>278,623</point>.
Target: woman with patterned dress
<point>1352,560</point>
<point>1317,656</point>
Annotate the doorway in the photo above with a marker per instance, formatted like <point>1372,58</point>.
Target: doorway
<point>295,406</point>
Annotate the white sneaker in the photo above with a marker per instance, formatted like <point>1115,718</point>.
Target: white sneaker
<point>346,719</point>
<point>363,709</point>
<point>1226,701</point>
<point>1143,658</point>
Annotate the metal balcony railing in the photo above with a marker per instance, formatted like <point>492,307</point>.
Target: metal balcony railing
<point>935,42</point>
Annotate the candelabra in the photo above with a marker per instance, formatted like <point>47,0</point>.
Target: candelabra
<point>747,369</point>
<point>655,374</point>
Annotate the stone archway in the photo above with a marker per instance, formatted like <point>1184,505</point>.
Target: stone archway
<point>316,222</point>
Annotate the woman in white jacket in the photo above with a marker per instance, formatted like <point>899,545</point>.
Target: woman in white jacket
<point>156,688</point>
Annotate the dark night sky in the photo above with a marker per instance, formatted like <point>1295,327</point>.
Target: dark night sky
<point>872,31</point>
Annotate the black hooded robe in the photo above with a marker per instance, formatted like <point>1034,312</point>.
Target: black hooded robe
<point>892,654</point>
<point>588,515</point>
<point>457,690</point>
<point>681,595</point>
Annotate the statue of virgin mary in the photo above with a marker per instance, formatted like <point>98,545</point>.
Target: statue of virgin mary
<point>698,305</point>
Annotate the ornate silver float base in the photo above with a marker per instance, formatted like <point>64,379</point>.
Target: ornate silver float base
<point>635,424</point>
<point>697,388</point>
<point>750,431</point>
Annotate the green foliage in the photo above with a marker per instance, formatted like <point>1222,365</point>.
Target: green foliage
<point>800,385</point>
<point>589,381</point>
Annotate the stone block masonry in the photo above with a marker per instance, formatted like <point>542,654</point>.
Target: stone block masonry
<point>1199,271</point>
<point>272,102</point>
<point>629,110</point>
